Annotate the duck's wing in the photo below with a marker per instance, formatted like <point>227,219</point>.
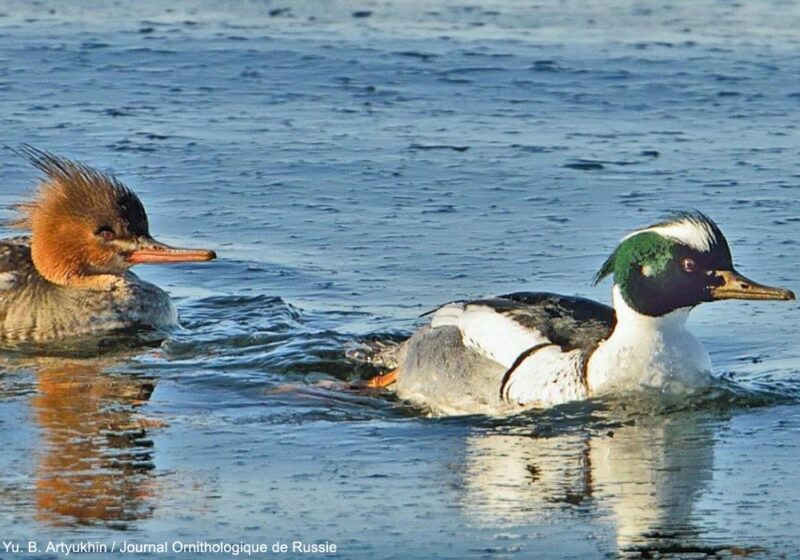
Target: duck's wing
<point>503,328</point>
<point>16,266</point>
<point>566,321</point>
<point>541,339</point>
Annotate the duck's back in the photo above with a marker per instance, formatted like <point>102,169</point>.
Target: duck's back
<point>496,355</point>
<point>34,310</point>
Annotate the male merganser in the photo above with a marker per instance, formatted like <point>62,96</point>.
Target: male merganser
<point>521,350</point>
<point>70,278</point>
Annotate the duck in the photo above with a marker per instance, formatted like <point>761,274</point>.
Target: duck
<point>526,350</point>
<point>68,276</point>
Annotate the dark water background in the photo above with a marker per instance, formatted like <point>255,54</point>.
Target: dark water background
<point>355,164</point>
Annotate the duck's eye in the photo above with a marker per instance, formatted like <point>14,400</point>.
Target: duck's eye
<point>105,233</point>
<point>688,265</point>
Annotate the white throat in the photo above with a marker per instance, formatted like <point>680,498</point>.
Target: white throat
<point>653,352</point>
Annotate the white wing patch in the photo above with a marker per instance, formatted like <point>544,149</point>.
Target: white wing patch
<point>485,330</point>
<point>547,377</point>
<point>8,280</point>
<point>447,315</point>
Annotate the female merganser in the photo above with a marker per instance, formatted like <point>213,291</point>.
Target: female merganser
<point>521,350</point>
<point>70,278</point>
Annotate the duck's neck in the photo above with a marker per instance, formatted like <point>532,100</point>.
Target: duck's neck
<point>95,282</point>
<point>657,352</point>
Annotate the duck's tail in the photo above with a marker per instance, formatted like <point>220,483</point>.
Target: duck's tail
<point>382,354</point>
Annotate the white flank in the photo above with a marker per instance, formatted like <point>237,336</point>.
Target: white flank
<point>492,334</point>
<point>654,352</point>
<point>547,377</point>
<point>692,233</point>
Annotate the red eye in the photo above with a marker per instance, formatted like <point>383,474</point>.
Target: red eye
<point>688,265</point>
<point>106,233</point>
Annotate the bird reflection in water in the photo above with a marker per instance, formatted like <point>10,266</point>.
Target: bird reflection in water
<point>644,477</point>
<point>97,458</point>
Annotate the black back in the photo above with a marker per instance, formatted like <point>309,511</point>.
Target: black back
<point>569,322</point>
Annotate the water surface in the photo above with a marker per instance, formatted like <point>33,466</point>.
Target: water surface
<point>354,165</point>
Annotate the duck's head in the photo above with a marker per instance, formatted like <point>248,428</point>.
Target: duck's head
<point>87,228</point>
<point>679,263</point>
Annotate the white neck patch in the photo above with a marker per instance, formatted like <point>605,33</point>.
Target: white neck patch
<point>637,323</point>
<point>691,232</point>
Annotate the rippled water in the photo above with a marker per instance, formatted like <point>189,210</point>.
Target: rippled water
<point>355,164</point>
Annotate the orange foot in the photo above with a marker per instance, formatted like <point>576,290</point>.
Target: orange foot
<point>381,381</point>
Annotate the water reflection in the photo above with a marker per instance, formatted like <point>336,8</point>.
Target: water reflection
<point>643,478</point>
<point>97,458</point>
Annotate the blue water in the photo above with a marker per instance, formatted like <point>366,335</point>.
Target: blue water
<point>355,164</point>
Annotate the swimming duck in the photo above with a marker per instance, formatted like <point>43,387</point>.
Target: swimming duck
<point>524,350</point>
<point>70,277</point>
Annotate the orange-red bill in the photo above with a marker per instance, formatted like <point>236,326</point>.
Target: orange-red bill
<point>736,286</point>
<point>164,254</point>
